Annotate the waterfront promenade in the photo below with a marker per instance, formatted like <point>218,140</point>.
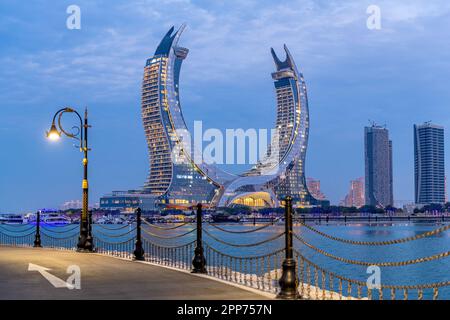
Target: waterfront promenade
<point>104,277</point>
<point>326,260</point>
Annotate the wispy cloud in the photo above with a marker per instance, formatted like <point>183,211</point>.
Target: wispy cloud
<point>225,36</point>
<point>397,73</point>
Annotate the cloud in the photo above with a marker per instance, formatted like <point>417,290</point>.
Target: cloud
<point>352,73</point>
<point>225,37</point>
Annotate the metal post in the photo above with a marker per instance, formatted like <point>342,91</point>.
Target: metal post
<point>289,280</point>
<point>199,261</point>
<point>37,236</point>
<point>85,239</point>
<point>138,250</point>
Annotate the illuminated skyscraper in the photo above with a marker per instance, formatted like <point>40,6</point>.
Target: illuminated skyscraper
<point>378,165</point>
<point>173,176</point>
<point>285,176</point>
<point>429,167</point>
<point>293,125</point>
<point>177,178</point>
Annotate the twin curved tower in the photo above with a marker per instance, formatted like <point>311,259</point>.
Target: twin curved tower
<point>176,180</point>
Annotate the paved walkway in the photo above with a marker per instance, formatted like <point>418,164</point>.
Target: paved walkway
<point>103,278</point>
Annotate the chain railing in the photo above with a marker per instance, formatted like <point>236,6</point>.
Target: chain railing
<point>241,231</point>
<point>17,236</point>
<point>154,235</point>
<point>258,272</point>
<point>60,238</point>
<point>226,254</point>
<point>376,243</point>
<point>177,256</point>
<point>243,245</point>
<point>372,263</point>
<point>152,225</point>
<point>316,282</point>
<point>319,283</point>
<point>109,242</point>
<point>162,245</point>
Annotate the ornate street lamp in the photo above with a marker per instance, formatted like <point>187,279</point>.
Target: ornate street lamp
<point>85,240</point>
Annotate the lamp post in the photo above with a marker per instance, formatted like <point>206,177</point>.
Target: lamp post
<point>289,280</point>
<point>85,240</point>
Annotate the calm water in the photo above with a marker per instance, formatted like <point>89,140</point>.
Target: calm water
<point>427,272</point>
<point>434,271</point>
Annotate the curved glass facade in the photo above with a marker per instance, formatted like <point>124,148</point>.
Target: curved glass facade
<point>175,179</point>
<point>287,177</point>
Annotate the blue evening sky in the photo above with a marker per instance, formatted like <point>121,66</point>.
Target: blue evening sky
<point>396,76</point>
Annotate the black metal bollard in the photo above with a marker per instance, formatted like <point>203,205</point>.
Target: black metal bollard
<point>138,249</point>
<point>199,261</point>
<point>289,280</point>
<point>37,236</point>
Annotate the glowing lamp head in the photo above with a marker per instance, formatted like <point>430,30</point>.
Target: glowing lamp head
<point>53,134</point>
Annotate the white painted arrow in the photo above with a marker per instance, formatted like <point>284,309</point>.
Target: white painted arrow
<point>55,281</point>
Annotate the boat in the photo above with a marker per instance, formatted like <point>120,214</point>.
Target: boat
<point>55,219</point>
<point>260,219</point>
<point>11,219</point>
<point>225,217</point>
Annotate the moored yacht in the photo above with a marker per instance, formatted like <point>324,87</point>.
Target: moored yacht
<point>55,219</point>
<point>11,219</point>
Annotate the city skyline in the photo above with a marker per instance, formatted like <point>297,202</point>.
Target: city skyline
<point>214,151</point>
<point>353,73</point>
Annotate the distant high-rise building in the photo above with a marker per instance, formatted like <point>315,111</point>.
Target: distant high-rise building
<point>378,167</point>
<point>355,196</point>
<point>314,188</point>
<point>429,169</point>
